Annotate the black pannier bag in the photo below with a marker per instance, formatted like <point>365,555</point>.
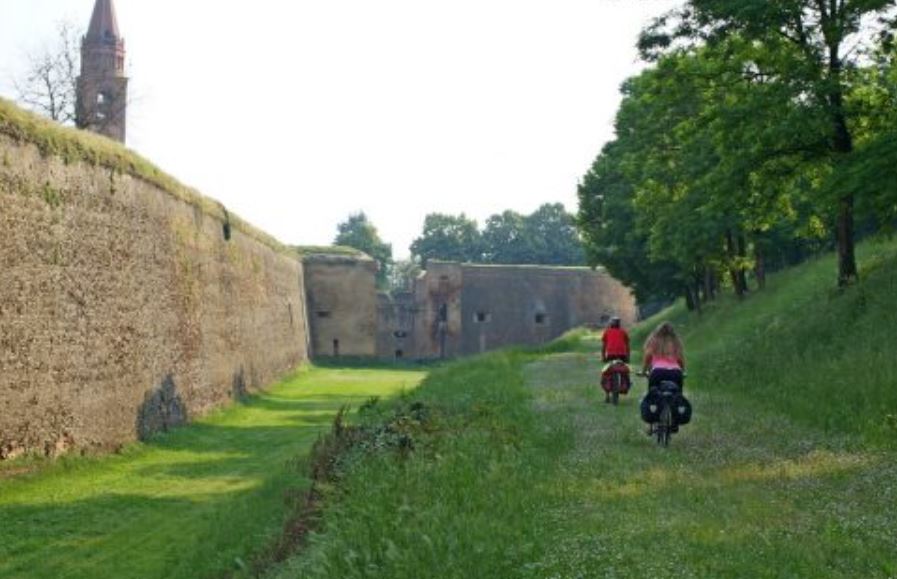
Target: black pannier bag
<point>681,409</point>
<point>650,408</point>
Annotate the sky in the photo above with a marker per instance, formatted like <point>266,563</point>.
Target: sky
<point>296,113</point>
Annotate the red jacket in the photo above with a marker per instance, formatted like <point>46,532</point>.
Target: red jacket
<point>615,342</point>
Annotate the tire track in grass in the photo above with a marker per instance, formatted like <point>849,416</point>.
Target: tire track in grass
<point>741,492</point>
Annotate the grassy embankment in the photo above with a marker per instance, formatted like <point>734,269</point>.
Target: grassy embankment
<point>192,503</point>
<point>789,468</point>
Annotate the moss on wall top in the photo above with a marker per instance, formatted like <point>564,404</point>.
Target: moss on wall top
<point>74,146</point>
<point>323,253</point>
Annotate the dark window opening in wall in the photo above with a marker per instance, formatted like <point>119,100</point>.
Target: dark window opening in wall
<point>323,314</point>
<point>336,347</point>
<point>399,354</point>
<point>443,313</point>
<point>400,334</point>
<point>541,319</point>
<point>605,319</point>
<point>226,229</point>
<point>482,317</point>
<point>443,279</point>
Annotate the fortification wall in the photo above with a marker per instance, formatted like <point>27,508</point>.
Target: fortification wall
<point>531,305</point>
<point>342,304</point>
<point>395,325</point>
<point>126,308</point>
<point>464,309</point>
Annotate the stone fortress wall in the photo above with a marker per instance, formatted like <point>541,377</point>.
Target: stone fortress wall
<point>126,308</point>
<point>342,304</point>
<point>463,309</point>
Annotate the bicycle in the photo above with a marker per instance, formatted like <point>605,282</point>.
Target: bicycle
<point>615,380</point>
<point>666,408</point>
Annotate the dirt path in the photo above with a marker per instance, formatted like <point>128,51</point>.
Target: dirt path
<point>739,493</point>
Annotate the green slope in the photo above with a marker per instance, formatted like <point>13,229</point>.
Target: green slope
<point>789,468</point>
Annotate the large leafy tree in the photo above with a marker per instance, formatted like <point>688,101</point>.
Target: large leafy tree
<point>505,239</point>
<point>449,238</point>
<point>809,48</point>
<point>358,232</point>
<point>688,190</point>
<point>548,236</point>
<point>552,233</point>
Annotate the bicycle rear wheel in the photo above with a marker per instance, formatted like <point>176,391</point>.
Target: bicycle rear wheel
<point>665,425</point>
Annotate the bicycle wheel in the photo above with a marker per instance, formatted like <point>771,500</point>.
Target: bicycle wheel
<point>615,388</point>
<point>665,426</point>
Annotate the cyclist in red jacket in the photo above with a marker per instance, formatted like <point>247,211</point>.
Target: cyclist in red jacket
<point>614,346</point>
<point>615,342</point>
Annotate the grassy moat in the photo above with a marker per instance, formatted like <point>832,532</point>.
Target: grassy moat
<point>191,503</point>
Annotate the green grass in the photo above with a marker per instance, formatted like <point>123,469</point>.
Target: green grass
<point>789,468</point>
<point>461,505</point>
<point>822,357</point>
<point>192,503</point>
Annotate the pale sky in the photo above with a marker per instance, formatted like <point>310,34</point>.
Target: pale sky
<point>295,113</point>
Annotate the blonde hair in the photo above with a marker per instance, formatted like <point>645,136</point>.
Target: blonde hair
<point>664,342</point>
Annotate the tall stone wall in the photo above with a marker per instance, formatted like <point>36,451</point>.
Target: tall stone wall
<point>342,304</point>
<point>524,305</point>
<point>125,309</point>
<point>464,309</point>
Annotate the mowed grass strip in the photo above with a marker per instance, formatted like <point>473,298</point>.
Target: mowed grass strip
<point>740,492</point>
<point>192,503</point>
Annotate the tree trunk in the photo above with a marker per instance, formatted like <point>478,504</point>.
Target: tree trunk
<point>707,285</point>
<point>742,256</point>
<point>842,144</point>
<point>690,301</point>
<point>759,267</point>
<point>733,270</point>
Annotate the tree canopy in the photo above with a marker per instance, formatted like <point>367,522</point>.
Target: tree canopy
<point>745,145</point>
<point>548,236</point>
<point>358,232</point>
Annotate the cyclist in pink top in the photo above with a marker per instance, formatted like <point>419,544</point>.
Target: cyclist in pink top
<point>663,358</point>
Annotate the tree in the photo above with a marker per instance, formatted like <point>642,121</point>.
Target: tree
<point>826,40</point>
<point>505,239</point>
<point>49,85</point>
<point>552,236</point>
<point>358,232</point>
<point>449,238</point>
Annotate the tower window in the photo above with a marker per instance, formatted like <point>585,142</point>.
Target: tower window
<point>482,317</point>
<point>541,319</point>
<point>324,314</point>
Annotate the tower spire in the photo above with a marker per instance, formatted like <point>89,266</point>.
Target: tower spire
<point>103,23</point>
<point>103,86</point>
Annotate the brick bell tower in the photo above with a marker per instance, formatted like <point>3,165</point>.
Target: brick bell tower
<point>102,87</point>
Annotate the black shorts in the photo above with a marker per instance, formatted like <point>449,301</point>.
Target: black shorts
<point>659,375</point>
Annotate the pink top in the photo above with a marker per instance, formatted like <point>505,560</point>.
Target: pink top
<point>664,363</point>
